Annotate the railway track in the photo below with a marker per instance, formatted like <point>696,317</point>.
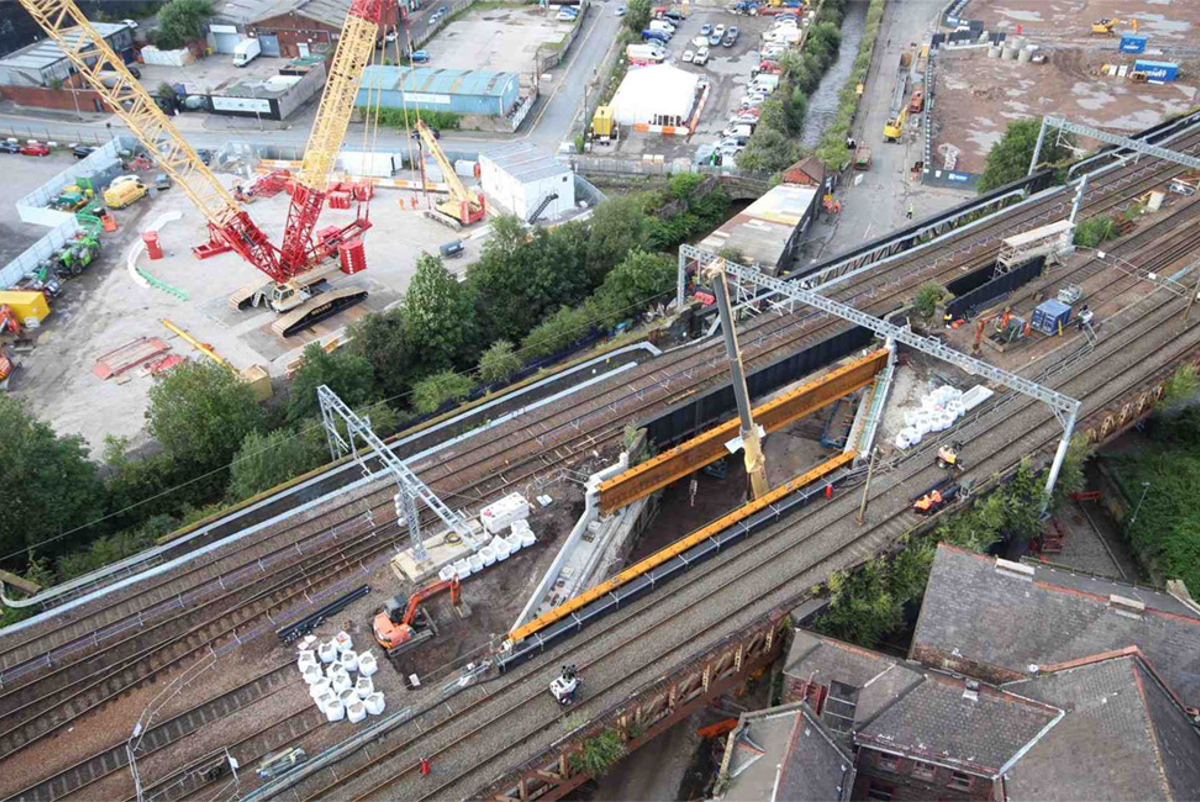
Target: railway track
<point>514,716</point>
<point>56,703</point>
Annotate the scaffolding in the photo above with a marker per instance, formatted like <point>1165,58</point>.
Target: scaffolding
<point>343,429</point>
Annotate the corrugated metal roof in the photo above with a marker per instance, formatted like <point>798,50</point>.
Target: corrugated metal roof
<point>525,162</point>
<point>762,231</point>
<point>46,52</point>
<point>437,80</point>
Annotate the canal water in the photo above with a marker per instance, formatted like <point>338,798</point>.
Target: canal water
<point>822,106</point>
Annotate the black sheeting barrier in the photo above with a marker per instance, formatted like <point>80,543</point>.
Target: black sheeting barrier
<point>681,422</point>
<point>983,295</point>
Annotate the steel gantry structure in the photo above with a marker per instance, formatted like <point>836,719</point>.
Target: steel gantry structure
<point>1066,409</point>
<point>1063,124</point>
<point>342,428</point>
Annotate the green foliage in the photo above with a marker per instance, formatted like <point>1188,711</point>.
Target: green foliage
<point>556,332</point>
<point>1071,478</point>
<point>831,149</point>
<point>200,412</point>
<point>164,91</point>
<point>1180,387</point>
<point>863,608</point>
<point>600,753</point>
<point>693,204</point>
<point>617,226</point>
<point>404,120</point>
<point>267,460</point>
<point>346,373</point>
<point>1095,230</point>
<point>641,277</point>
<point>50,487</point>
<point>437,312</point>
<point>107,550</point>
<point>380,338</point>
<point>769,150</point>
<point>499,362</point>
<point>433,391</point>
<point>181,21</point>
<point>637,15</point>
<point>927,297</point>
<point>1008,160</point>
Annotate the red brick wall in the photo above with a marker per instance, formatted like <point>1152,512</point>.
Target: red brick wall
<point>293,28</point>
<point>936,658</point>
<point>46,98</point>
<point>906,784</point>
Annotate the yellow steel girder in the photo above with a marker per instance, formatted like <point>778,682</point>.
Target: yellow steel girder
<point>679,546</point>
<point>106,73</point>
<point>708,447</point>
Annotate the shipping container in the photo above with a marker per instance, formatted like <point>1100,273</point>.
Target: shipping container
<point>1050,316</point>
<point>1133,43</point>
<point>1157,70</point>
<point>30,307</point>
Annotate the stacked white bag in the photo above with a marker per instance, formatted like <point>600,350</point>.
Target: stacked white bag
<point>940,408</point>
<point>327,669</point>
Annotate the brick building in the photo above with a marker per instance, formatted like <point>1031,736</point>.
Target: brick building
<point>41,75</point>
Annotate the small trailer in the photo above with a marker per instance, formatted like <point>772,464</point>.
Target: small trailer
<point>862,158</point>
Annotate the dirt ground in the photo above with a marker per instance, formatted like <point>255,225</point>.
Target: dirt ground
<point>106,308</point>
<point>1168,22</point>
<point>977,97</point>
<point>501,39</point>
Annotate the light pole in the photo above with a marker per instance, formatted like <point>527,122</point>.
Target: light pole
<point>1138,508</point>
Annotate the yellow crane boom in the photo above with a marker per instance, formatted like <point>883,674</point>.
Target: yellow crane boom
<point>462,206</point>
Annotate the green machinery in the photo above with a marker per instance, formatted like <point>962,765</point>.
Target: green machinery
<point>74,197</point>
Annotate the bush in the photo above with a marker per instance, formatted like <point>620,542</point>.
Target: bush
<point>267,460</point>
<point>600,753</point>
<point>433,391</point>
<point>1095,230</point>
<point>1008,160</point>
<point>498,362</point>
<point>557,332</point>
<point>927,297</point>
<point>181,21</point>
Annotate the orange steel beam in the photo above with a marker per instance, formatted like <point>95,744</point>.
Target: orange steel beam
<point>679,546</point>
<point>708,447</point>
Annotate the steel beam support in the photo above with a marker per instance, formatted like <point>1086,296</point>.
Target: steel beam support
<point>708,447</point>
<point>1037,148</point>
<point>1157,151</point>
<point>333,411</point>
<point>1079,192</point>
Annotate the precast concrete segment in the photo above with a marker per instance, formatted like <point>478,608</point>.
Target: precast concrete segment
<point>707,448</point>
<point>679,546</point>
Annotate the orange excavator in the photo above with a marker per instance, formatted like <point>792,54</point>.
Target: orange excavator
<point>403,623</point>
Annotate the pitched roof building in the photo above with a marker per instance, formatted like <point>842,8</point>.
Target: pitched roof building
<point>1000,621</point>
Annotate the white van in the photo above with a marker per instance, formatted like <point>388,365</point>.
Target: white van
<point>246,51</point>
<point>738,131</point>
<point>662,26</point>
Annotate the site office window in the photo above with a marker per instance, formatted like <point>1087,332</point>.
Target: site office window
<point>961,781</point>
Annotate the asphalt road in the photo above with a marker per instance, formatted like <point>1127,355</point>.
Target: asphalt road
<point>549,124</point>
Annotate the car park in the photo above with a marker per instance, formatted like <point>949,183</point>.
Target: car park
<point>701,57</point>
<point>35,149</point>
<point>688,56</point>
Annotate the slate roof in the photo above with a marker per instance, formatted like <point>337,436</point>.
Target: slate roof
<point>783,753</point>
<point>982,732</point>
<point>1124,737</point>
<point>997,618</point>
<point>878,679</point>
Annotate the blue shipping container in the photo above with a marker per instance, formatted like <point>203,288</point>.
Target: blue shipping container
<point>1158,70</point>
<point>1133,43</point>
<point>1050,315</point>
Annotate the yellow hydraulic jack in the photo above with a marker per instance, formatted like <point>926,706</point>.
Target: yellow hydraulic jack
<point>750,434</point>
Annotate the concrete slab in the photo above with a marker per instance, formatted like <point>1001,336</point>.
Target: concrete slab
<point>505,39</point>
<point>22,175</point>
<point>208,75</point>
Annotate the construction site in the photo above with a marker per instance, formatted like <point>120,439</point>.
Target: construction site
<point>605,550</point>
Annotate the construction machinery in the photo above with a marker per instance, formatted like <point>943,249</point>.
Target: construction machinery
<point>947,456</point>
<point>935,497</point>
<point>898,112</point>
<point>461,208</point>
<point>72,198</point>
<point>1106,26</point>
<point>9,322</point>
<point>403,623</point>
<point>78,254</point>
<point>301,263</point>
<point>564,687</point>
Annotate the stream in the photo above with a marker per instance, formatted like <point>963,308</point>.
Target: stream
<point>822,106</point>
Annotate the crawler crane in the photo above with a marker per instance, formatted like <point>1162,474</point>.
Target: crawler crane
<point>461,208</point>
<point>298,266</point>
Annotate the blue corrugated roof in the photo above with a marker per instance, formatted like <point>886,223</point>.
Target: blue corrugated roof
<point>437,80</point>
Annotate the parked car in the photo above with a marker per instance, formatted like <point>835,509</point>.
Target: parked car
<point>420,57</point>
<point>162,181</point>
<point>204,154</point>
<point>688,56</point>
<point>132,23</point>
<point>701,57</point>
<point>705,29</point>
<point>719,30</point>
<point>9,147</point>
<point>620,11</point>
<point>82,151</point>
<point>133,70</point>
<point>566,16</point>
<point>389,37</point>
<point>731,36</point>
<point>673,16</point>
<point>700,41</point>
<point>714,40</point>
<point>35,149</point>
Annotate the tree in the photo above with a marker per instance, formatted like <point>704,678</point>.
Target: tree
<point>862,607</point>
<point>380,338</point>
<point>200,413</point>
<point>267,460</point>
<point>637,15</point>
<point>433,391</point>
<point>348,374</point>
<point>617,226</point>
<point>768,151</point>
<point>50,487</point>
<point>1008,160</point>
<point>927,297</point>
<point>557,332</point>
<point>438,314</point>
<point>498,362</point>
<point>640,279</point>
<point>181,21</point>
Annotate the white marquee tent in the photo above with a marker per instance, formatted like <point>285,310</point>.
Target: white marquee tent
<point>656,95</point>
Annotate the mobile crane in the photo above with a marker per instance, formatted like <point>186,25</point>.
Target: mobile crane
<point>299,264</point>
<point>396,626</point>
<point>461,208</point>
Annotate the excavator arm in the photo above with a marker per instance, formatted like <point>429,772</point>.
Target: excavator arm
<point>354,49</point>
<point>414,601</point>
<point>105,72</point>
